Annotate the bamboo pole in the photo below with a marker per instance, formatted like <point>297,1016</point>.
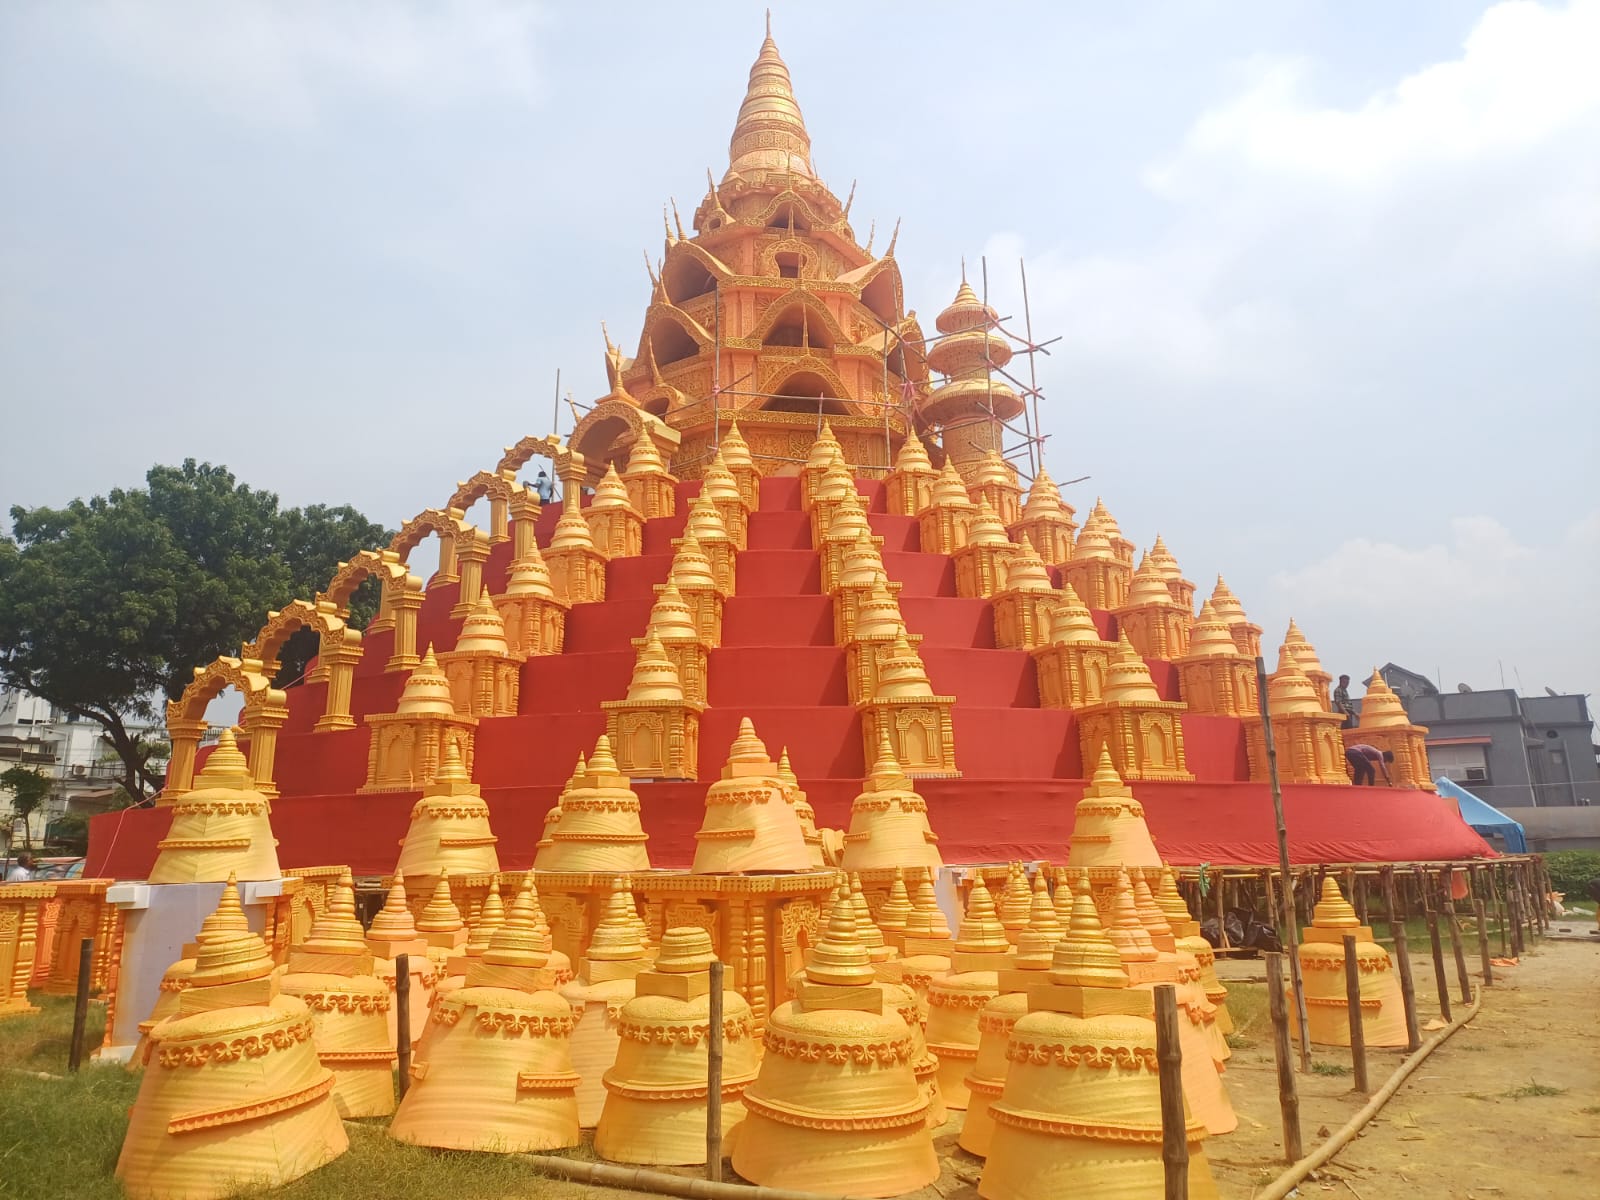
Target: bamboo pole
<point>1352,998</point>
<point>1358,889</point>
<point>402,1020</point>
<point>1288,1090</point>
<point>1292,934</point>
<point>1513,917</point>
<point>1441,983</point>
<point>80,1004</point>
<point>1483,943</point>
<point>1169,1063</point>
<point>714,1078</point>
<point>1463,976</point>
<point>1402,959</point>
<point>1502,912</point>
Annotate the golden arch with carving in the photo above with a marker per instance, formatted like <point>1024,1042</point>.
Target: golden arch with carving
<point>402,598</point>
<point>451,528</point>
<point>338,651</point>
<point>608,431</point>
<point>265,710</point>
<point>503,491</point>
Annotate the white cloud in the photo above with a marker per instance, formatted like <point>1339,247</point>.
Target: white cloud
<point>1465,604</point>
<point>277,63</point>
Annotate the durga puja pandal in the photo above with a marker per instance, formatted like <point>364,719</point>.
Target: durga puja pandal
<point>789,661</point>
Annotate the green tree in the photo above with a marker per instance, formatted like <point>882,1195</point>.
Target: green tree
<point>108,605</point>
<point>29,790</point>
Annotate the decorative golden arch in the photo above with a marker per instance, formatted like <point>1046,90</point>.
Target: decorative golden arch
<point>338,651</point>
<point>811,304</point>
<point>402,597</point>
<point>777,373</point>
<point>682,255</point>
<point>767,261</point>
<point>659,313</point>
<point>608,431</point>
<point>813,219</point>
<point>502,488</point>
<point>265,710</point>
<point>879,289</point>
<point>451,528</point>
<point>385,564</point>
<point>567,460</point>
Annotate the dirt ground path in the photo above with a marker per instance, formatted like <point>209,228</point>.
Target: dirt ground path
<point>1508,1107</point>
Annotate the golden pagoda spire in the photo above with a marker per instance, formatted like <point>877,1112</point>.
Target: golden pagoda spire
<point>769,136</point>
<point>981,930</point>
<point>338,928</point>
<point>229,952</point>
<point>491,916</point>
<point>440,915</point>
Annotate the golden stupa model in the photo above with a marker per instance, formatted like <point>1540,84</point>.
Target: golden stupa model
<point>596,826</point>
<point>499,1075</point>
<point>925,944</point>
<point>1383,1020</point>
<point>605,983</point>
<point>889,820</point>
<point>449,829</point>
<point>655,1105</point>
<point>393,934</point>
<point>1081,1110</point>
<point>331,971</point>
<point>221,828</point>
<point>748,825</point>
<point>980,951</point>
<point>987,1079</point>
<point>232,1093</point>
<point>836,1106</point>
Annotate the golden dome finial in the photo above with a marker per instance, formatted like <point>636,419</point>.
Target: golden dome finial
<point>616,936</point>
<point>1333,911</point>
<point>517,942</point>
<point>441,914</point>
<point>393,921</point>
<point>841,956</point>
<point>226,766</point>
<point>491,916</point>
<point>927,919</point>
<point>896,910</point>
<point>1127,931</point>
<point>981,929</point>
<point>1085,955</point>
<point>769,136</point>
<point>229,952</point>
<point>338,928</point>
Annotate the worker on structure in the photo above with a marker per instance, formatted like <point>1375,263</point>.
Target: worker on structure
<point>1343,704</point>
<point>1367,761</point>
<point>543,488</point>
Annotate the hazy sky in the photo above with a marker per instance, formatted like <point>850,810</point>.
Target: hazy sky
<point>1326,273</point>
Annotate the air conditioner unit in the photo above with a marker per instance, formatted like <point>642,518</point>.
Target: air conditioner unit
<point>79,770</point>
<point>1477,775</point>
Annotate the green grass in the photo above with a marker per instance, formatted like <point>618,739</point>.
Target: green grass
<point>1247,1005</point>
<point>1322,1066</point>
<point>1533,1088</point>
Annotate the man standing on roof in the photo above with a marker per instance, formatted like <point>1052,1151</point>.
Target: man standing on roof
<point>1367,761</point>
<point>1343,704</point>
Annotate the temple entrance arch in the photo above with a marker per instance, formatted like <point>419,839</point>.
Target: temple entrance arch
<point>502,491</point>
<point>397,610</point>
<point>264,712</point>
<point>608,431</point>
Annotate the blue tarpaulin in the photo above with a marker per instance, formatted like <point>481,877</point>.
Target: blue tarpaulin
<point>1484,818</point>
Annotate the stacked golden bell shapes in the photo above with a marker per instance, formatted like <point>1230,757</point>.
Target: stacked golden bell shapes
<point>596,821</point>
<point>889,820</point>
<point>498,1076</point>
<point>223,827</point>
<point>332,973</point>
<point>749,825</point>
<point>393,934</point>
<point>605,983</point>
<point>986,1081</point>
<point>449,830</point>
<point>1081,1110</point>
<point>836,1106</point>
<point>1322,972</point>
<point>232,1094</point>
<point>979,952</point>
<point>656,1093</point>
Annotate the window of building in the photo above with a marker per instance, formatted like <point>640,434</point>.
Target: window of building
<point>1465,765</point>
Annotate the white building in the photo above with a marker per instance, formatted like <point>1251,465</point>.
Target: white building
<point>74,754</point>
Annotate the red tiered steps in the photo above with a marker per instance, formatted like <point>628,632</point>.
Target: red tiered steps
<point>1021,766</point>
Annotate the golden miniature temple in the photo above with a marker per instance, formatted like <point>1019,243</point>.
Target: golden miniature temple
<point>793,510</point>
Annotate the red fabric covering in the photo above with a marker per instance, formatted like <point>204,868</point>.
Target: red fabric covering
<point>1021,765</point>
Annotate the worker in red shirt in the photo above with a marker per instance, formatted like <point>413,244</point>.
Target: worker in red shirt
<point>1367,761</point>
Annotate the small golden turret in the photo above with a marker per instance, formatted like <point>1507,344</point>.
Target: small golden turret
<point>209,1119</point>
<point>1108,828</point>
<point>943,525</point>
<point>1186,931</point>
<point>1066,1124</point>
<point>816,1116</point>
<point>598,829</point>
<point>332,973</point>
<point>1023,607</point>
<point>1385,725</point>
<point>1101,569</point>
<point>577,565</point>
<point>792,792</point>
<point>889,820</point>
<point>748,826</point>
<point>1181,589</point>
<point>1306,655</point>
<point>904,708</point>
<point>1383,1021</point>
<point>995,483</point>
<point>1073,662</point>
<point>980,950</point>
<point>449,829</point>
<point>1213,677</point>
<point>483,674</point>
<point>1046,521</point>
<point>973,404</point>
<point>535,617</point>
<point>1305,734</point>
<point>981,564</point>
<point>1143,732</point>
<point>651,489</point>
<point>926,944</point>
<point>409,745</point>
<point>696,581</point>
<point>741,465</point>
<point>908,489</point>
<point>1156,624</point>
<point>655,729</point>
<point>604,984</point>
<point>1246,637</point>
<point>705,522</point>
<point>822,455</point>
<point>221,828</point>
<point>393,934</point>
<point>616,526</point>
<point>722,489</point>
<point>498,1076</point>
<point>655,1104</point>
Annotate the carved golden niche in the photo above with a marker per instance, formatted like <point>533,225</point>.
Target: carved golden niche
<point>1142,732</point>
<point>1096,573</point>
<point>652,490</point>
<point>484,676</point>
<point>535,618</point>
<point>995,483</point>
<point>577,567</point>
<point>904,710</point>
<point>944,524</point>
<point>655,730</point>
<point>1073,664</point>
<point>1022,608</point>
<point>981,562</point>
<point>908,489</point>
<point>409,745</point>
<point>616,526</point>
<point>1153,622</point>
<point>1214,678</point>
<point>1046,521</point>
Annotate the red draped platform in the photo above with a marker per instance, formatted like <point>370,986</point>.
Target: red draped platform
<point>1021,765</point>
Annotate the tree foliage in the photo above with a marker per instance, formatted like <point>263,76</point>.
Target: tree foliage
<point>29,790</point>
<point>108,605</point>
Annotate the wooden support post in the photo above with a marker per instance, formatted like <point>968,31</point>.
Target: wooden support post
<point>1402,960</point>
<point>1483,943</point>
<point>402,1020</point>
<point>1291,939</point>
<point>1441,983</point>
<point>1514,918</point>
<point>1358,889</point>
<point>1352,997</point>
<point>1169,1063</point>
<point>1288,1090</point>
<point>80,1007</point>
<point>1463,976</point>
<point>1218,882</point>
<point>714,1077</point>
<point>1502,914</point>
